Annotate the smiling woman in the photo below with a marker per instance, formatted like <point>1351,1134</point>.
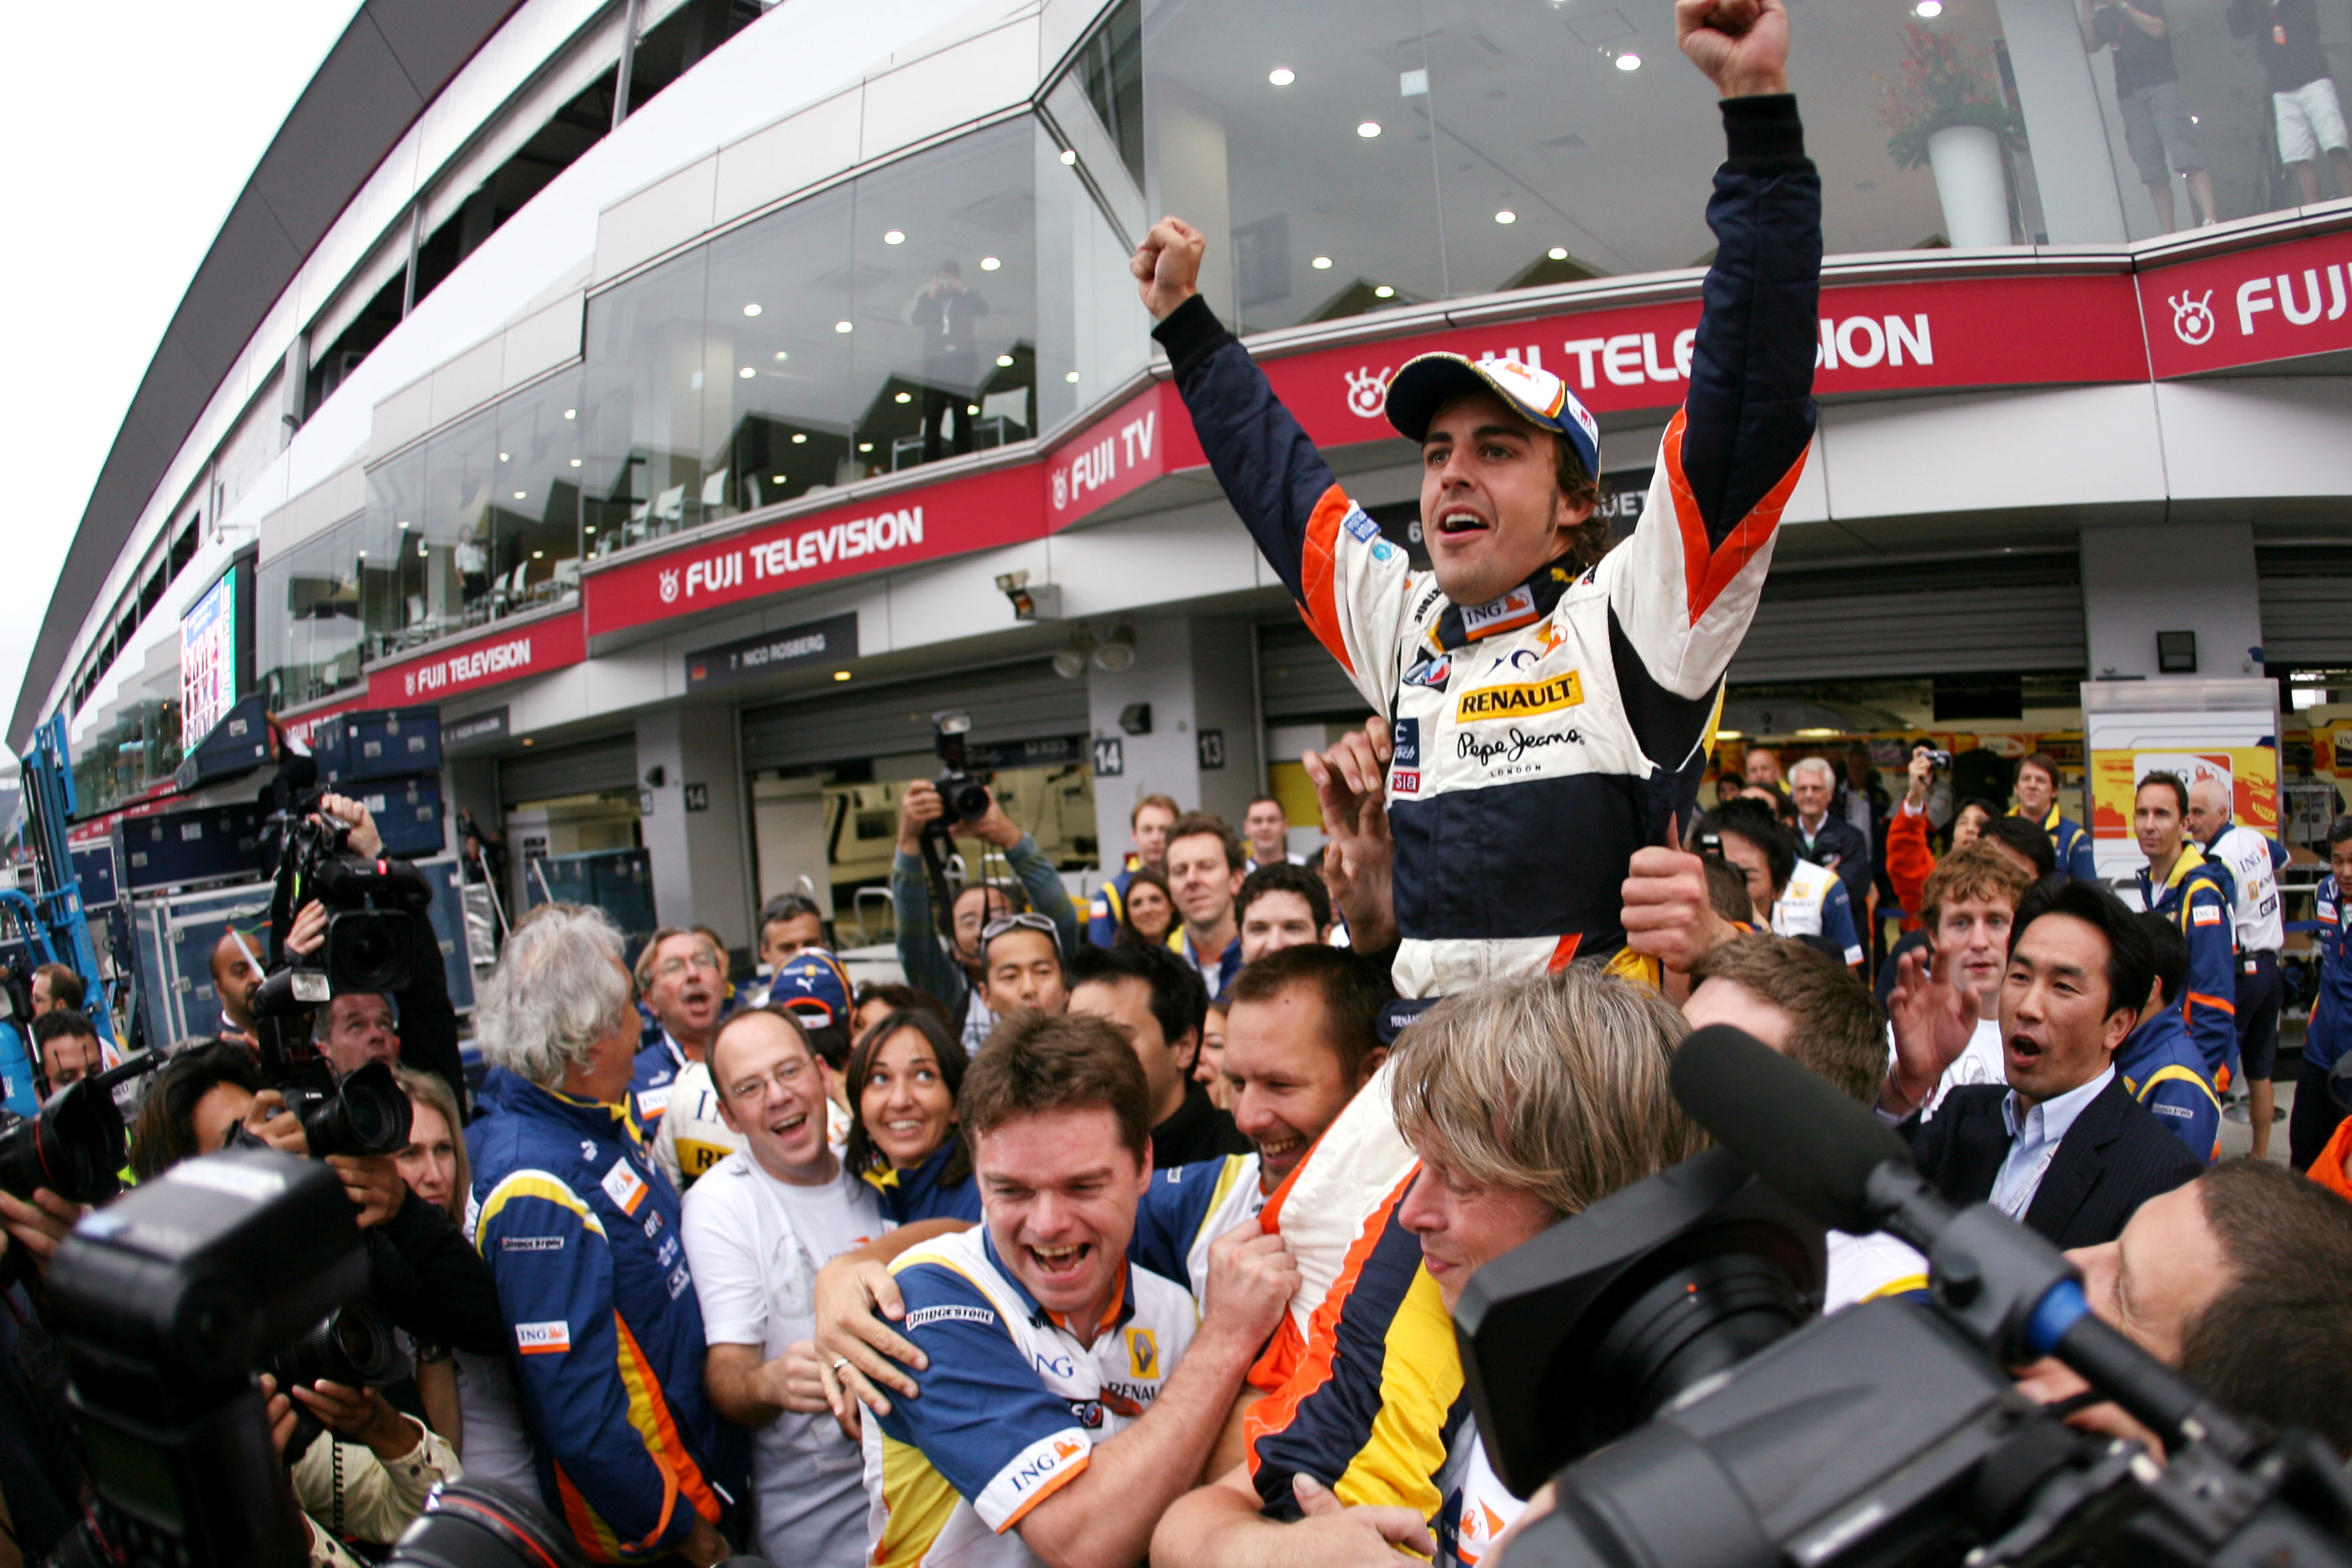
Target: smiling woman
<point>902,1083</point>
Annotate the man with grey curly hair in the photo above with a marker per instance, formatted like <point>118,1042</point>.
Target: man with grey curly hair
<point>581,1235</point>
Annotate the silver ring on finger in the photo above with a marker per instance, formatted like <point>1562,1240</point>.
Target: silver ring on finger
<point>838,1363</point>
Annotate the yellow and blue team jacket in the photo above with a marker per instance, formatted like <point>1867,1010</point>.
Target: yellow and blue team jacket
<point>1543,737</point>
<point>653,1080</point>
<point>920,1193</point>
<point>1012,1405</point>
<point>2161,1066</point>
<point>2200,898</point>
<point>2331,1012</point>
<point>1185,1208</point>
<point>581,1235</point>
<point>1816,909</point>
<point>2073,842</point>
<point>1107,910</point>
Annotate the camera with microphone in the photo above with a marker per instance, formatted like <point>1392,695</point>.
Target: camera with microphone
<point>1652,1358</point>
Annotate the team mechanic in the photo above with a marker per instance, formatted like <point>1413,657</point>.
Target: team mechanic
<point>1550,706</point>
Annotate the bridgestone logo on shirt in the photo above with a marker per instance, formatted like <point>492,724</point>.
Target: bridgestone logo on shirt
<point>541,1339</point>
<point>1520,700</point>
<point>949,1314</point>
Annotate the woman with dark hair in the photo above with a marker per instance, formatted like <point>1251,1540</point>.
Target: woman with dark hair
<point>903,1078</point>
<point>1150,912</point>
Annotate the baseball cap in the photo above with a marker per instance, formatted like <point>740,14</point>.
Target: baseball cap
<point>1428,381</point>
<point>813,987</point>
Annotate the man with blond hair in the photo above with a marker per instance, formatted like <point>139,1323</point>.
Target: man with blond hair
<point>1581,1059</point>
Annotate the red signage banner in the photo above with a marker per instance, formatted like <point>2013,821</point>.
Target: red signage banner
<point>1874,338</point>
<point>502,654</point>
<point>1143,439</point>
<point>2249,307</point>
<point>974,511</point>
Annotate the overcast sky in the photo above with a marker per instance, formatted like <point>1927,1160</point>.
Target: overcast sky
<point>128,132</point>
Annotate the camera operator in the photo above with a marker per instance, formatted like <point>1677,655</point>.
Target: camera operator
<point>357,1027</point>
<point>420,1272</point>
<point>67,1042</point>
<point>368,1483</point>
<point>955,973</point>
<point>2241,1280</point>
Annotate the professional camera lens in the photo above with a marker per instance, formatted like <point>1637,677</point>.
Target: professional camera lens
<point>74,1146</point>
<point>471,1526</point>
<point>966,797</point>
<point>351,1345</point>
<point>367,1113</point>
<point>368,950</point>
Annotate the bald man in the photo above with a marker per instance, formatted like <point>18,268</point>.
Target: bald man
<point>2253,858</point>
<point>236,976</point>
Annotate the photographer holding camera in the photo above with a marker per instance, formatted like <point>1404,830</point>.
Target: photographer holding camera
<point>954,973</point>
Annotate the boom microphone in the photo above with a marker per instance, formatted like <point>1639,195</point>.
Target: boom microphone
<point>2008,1286</point>
<point>1809,1143</point>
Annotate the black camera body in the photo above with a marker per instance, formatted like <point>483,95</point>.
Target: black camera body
<point>165,1301</point>
<point>1655,1345</point>
<point>963,793</point>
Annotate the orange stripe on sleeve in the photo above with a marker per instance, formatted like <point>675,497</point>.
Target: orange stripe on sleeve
<point>1053,1483</point>
<point>1313,1367</point>
<point>1709,570</point>
<point>1318,575</point>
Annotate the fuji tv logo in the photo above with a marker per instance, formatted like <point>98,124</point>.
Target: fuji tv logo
<point>669,587</point>
<point>2192,317</point>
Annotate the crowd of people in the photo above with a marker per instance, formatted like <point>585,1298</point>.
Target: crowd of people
<point>1137,1232</point>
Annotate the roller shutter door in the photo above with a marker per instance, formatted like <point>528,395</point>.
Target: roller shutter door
<point>1024,702</point>
<point>1950,617</point>
<point>1299,679</point>
<point>2306,599</point>
<point>2002,615</point>
<point>584,769</point>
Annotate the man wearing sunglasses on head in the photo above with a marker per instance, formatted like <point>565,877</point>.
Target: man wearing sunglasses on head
<point>1021,965</point>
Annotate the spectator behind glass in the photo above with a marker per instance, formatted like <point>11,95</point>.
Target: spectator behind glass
<point>68,1044</point>
<point>904,1077</point>
<point>56,986</point>
<point>2304,105</point>
<point>1282,905</point>
<point>1150,911</point>
<point>2157,126</point>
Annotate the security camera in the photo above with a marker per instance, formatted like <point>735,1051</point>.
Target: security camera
<point>1042,603</point>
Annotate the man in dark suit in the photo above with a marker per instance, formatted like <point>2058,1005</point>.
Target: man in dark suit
<point>2062,1146</point>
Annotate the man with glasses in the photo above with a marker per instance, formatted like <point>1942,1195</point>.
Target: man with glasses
<point>757,1228</point>
<point>1022,965</point>
<point>682,981</point>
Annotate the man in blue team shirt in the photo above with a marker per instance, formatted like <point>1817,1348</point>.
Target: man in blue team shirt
<point>2196,895</point>
<point>2037,800</point>
<point>1070,1396</point>
<point>2315,1111</point>
<point>2254,859</point>
<point>2158,1063</point>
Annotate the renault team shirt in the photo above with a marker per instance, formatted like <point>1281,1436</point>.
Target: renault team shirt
<point>1012,1406</point>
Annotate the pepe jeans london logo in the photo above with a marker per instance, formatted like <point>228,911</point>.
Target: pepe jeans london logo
<point>2192,317</point>
<point>1368,392</point>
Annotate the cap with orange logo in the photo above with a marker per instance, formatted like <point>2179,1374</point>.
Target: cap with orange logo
<point>1429,382</point>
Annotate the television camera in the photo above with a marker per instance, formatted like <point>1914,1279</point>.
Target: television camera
<point>1651,1357</point>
